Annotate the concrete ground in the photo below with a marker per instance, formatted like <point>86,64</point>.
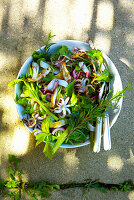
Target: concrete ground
<point>110,25</point>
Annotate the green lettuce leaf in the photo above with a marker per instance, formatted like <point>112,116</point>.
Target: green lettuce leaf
<point>37,55</point>
<point>31,71</point>
<point>60,140</point>
<point>40,137</point>
<point>32,92</point>
<point>63,50</point>
<point>70,88</point>
<point>105,76</point>
<point>14,82</point>
<point>46,124</point>
<point>26,91</point>
<point>49,77</point>
<point>96,54</point>
<point>48,150</point>
<point>73,99</point>
<point>21,101</point>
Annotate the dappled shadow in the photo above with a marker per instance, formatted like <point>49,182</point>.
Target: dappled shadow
<point>17,44</point>
<point>93,30</point>
<point>3,126</point>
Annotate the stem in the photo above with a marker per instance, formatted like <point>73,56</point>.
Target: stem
<point>60,140</point>
<point>86,119</point>
<point>46,109</point>
<point>35,97</point>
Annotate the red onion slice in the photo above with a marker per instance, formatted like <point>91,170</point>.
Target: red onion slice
<point>57,129</point>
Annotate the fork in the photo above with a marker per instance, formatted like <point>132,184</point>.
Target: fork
<point>98,127</point>
<point>102,125</point>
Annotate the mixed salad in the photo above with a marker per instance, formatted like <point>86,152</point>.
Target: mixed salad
<point>60,95</point>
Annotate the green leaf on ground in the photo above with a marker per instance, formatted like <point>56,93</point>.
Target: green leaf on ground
<point>13,160</point>
<point>12,184</point>
<point>11,173</point>
<point>2,184</point>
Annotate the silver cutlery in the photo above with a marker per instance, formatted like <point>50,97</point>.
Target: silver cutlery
<point>106,128</point>
<point>102,124</point>
<point>98,128</point>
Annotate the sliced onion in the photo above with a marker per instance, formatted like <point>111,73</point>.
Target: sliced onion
<point>59,124</point>
<point>87,74</point>
<point>50,85</point>
<point>90,127</point>
<point>35,68</point>
<point>78,76</point>
<point>44,65</point>
<point>22,95</point>
<point>74,74</point>
<point>35,106</point>
<point>36,131</point>
<point>77,50</point>
<point>29,122</point>
<point>57,129</point>
<point>41,118</point>
<point>85,81</point>
<point>62,82</point>
<point>81,64</point>
<point>56,71</point>
<point>61,59</point>
<point>83,67</point>
<point>35,115</point>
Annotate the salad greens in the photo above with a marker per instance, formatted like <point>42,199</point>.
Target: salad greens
<point>60,95</point>
<point>105,76</point>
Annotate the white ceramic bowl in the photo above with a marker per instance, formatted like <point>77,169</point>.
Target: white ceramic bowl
<point>115,84</point>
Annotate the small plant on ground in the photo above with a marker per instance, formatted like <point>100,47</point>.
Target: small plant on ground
<point>16,188</point>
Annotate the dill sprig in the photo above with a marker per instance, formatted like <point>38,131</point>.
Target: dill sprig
<point>79,119</point>
<point>48,44</point>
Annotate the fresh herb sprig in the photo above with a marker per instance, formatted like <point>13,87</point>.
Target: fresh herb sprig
<point>16,187</point>
<point>95,111</point>
<point>48,44</point>
<point>77,130</point>
<point>43,54</point>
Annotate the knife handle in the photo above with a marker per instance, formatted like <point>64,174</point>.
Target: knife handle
<point>98,131</point>
<point>106,134</point>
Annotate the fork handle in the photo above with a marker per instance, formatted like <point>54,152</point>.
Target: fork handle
<point>98,131</point>
<point>106,134</point>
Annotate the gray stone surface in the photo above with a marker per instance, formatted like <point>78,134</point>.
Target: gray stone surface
<point>110,24</point>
